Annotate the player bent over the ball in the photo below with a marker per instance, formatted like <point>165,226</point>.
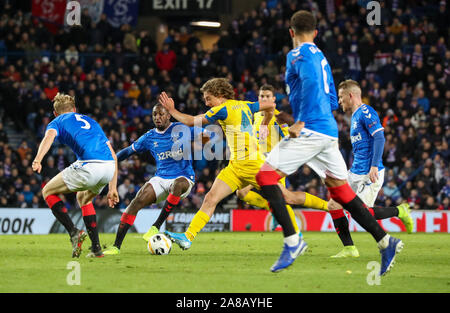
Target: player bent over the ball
<point>96,167</point>
<point>174,176</point>
<point>313,139</point>
<point>366,175</point>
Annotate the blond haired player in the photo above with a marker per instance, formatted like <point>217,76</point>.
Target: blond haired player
<point>96,167</point>
<point>275,132</point>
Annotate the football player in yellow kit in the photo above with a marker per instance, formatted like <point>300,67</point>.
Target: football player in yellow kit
<point>235,118</point>
<point>275,132</point>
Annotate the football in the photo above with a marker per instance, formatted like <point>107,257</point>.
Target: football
<point>159,244</point>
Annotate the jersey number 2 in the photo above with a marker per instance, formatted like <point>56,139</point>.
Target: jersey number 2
<point>86,123</point>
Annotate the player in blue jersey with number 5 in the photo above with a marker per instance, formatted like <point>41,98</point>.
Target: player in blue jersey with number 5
<point>313,139</point>
<point>96,167</point>
<point>170,145</point>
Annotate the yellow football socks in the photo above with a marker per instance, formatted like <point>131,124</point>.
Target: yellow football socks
<point>255,199</point>
<point>292,216</point>
<point>198,222</point>
<point>314,202</point>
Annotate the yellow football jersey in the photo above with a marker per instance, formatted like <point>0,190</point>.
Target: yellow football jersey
<point>276,131</point>
<point>235,117</point>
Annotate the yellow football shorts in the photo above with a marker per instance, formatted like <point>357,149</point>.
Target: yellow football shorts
<point>239,174</point>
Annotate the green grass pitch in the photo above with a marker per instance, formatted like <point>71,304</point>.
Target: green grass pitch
<point>223,263</point>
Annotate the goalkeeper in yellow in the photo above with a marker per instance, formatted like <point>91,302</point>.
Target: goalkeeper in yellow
<point>275,132</point>
<point>245,160</point>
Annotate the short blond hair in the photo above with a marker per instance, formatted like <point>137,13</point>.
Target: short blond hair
<point>63,103</point>
<point>350,85</point>
<point>218,87</point>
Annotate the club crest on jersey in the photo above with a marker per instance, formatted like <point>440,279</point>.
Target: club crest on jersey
<point>155,144</point>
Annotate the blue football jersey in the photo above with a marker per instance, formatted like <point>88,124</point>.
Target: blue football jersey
<point>311,89</point>
<point>83,135</point>
<point>171,150</point>
<point>364,124</point>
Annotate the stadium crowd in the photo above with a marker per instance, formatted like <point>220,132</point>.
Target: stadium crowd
<point>115,74</point>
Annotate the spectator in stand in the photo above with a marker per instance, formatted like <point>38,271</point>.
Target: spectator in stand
<point>133,91</point>
<point>414,199</point>
<point>49,170</point>
<point>21,203</point>
<point>23,150</point>
<point>61,159</point>
<point>124,187</point>
<point>51,90</point>
<point>3,134</point>
<point>445,191</point>
<point>11,196</point>
<point>429,204</point>
<point>27,194</point>
<point>390,190</point>
<point>445,204</point>
<point>165,58</point>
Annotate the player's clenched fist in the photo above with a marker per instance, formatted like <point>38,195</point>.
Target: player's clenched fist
<point>36,166</point>
<point>113,198</point>
<point>295,129</point>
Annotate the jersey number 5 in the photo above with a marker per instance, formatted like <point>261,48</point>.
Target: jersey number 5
<point>86,123</point>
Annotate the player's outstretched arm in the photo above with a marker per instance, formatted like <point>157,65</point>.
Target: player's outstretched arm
<point>125,153</point>
<point>186,119</point>
<point>113,195</point>
<point>44,146</point>
<point>268,107</point>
